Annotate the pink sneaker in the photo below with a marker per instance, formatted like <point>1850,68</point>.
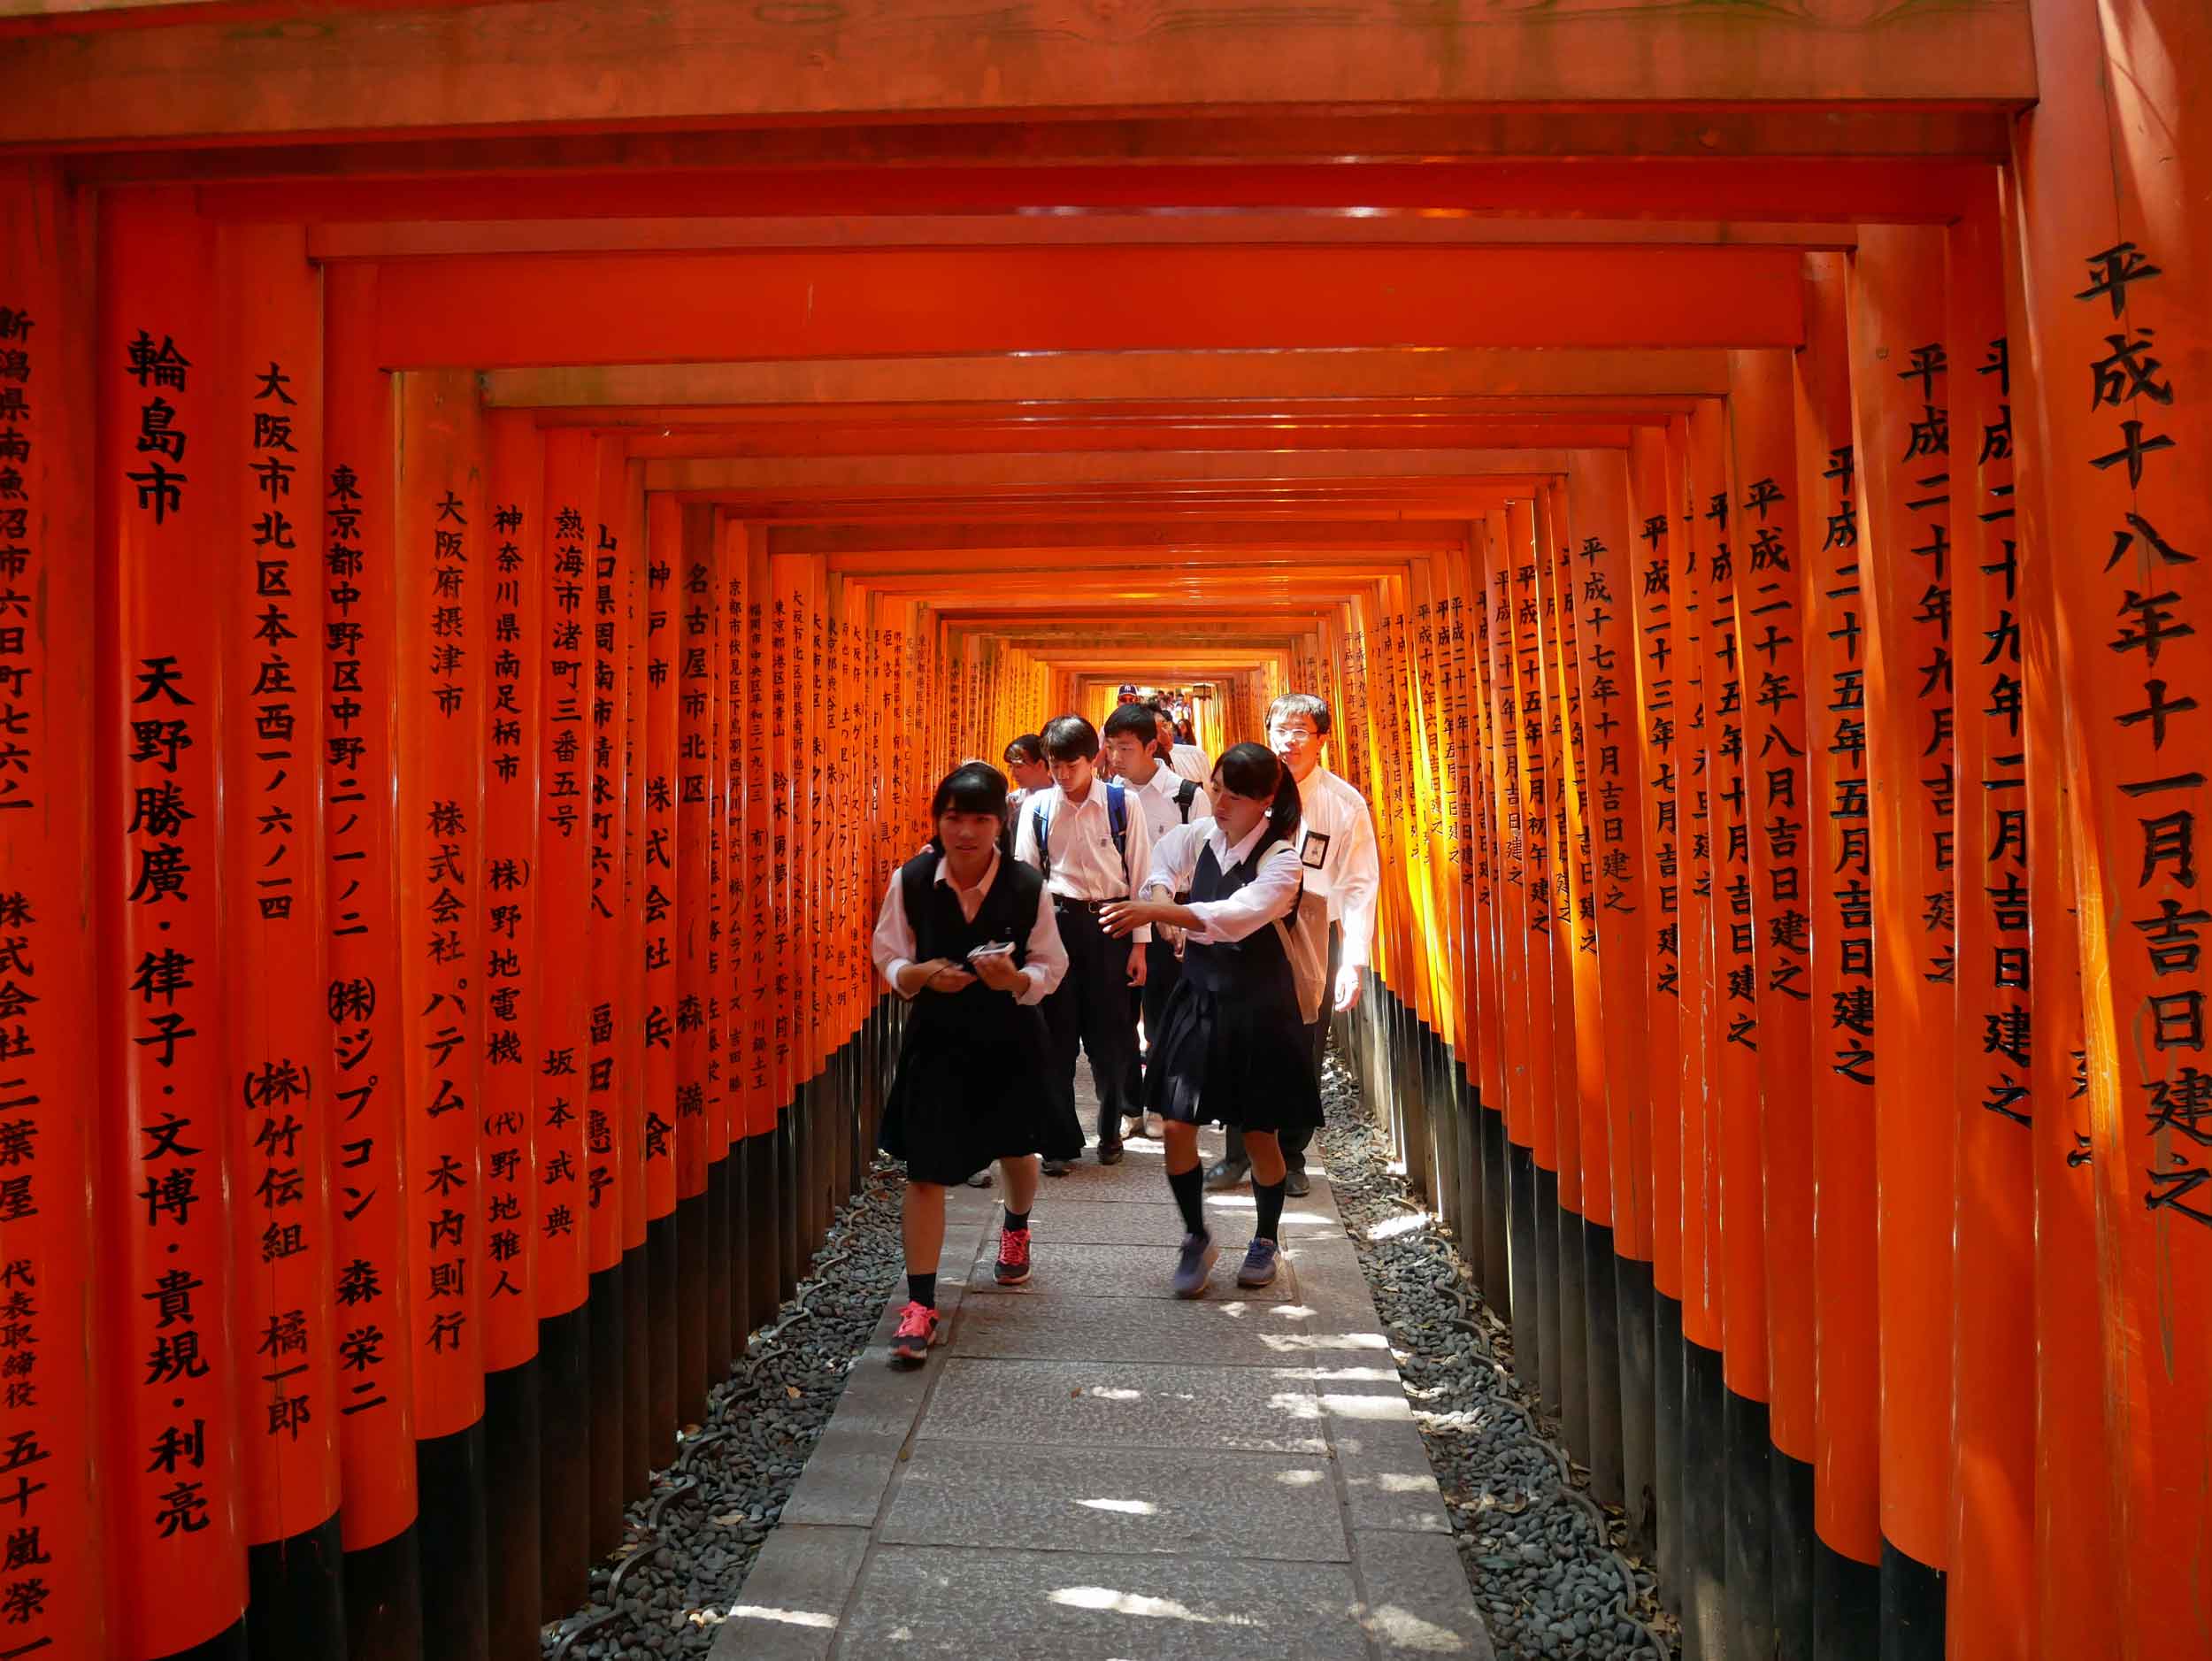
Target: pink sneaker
<point>917,1331</point>
<point>1013,1257</point>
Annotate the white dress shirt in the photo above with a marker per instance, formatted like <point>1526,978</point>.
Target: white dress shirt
<point>1189,762</point>
<point>1336,849</point>
<point>895,945</point>
<point>1085,865</point>
<point>1272,893</point>
<point>1158,794</point>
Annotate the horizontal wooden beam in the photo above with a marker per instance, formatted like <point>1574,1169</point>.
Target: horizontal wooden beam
<point>888,473</point>
<point>1509,372</point>
<point>494,312</point>
<point>1231,538</point>
<point>418,239</point>
<point>607,63</point>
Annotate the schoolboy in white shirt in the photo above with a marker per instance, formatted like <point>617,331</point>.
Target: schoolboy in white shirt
<point>1093,844</point>
<point>1338,853</point>
<point>1169,800</point>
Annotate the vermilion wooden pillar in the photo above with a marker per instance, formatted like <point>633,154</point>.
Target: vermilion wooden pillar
<point>1993,1338</point>
<point>2116,258</point>
<point>165,1185</point>
<point>769,1204</point>
<point>514,719</point>
<point>1847,1496</point>
<point>362,997</point>
<point>622,505</point>
<point>57,1382</point>
<point>443,545</point>
<point>573,1414</point>
<point>264,467</point>
<point>1770,560</point>
<point>661,644</point>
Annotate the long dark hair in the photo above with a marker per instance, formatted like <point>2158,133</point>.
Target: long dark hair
<point>973,786</point>
<point>1254,770</point>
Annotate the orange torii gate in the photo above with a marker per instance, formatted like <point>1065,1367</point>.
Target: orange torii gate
<point>1766,628</point>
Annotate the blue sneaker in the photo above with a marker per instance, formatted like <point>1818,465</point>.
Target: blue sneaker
<point>1194,1265</point>
<point>1259,1265</point>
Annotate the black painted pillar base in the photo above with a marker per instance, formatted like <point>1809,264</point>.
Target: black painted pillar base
<point>1667,1446</point>
<point>1846,1606</point>
<point>384,1600</point>
<point>513,1527</point>
<point>1443,1101</point>
<point>565,1420</point>
<point>1466,1219</point>
<point>1745,1428</point>
<point>1704,1505</point>
<point>1602,1343</point>
<point>295,1594</point>
<point>456,1615</point>
<point>1574,1337</point>
<point>1497,1214</point>
<point>1527,1337</point>
<point>761,1239</point>
<point>1545,1214</point>
<point>716,1262</point>
<point>790,1194</point>
<point>608,1370</point>
<point>226,1645</point>
<point>1637,1316</point>
<point>666,1317</point>
<point>694,1317</point>
<point>637,1375</point>
<point>1790,1529</point>
<point>1913,1608</point>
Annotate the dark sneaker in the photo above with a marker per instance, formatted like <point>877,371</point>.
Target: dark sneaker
<point>1110,1152</point>
<point>918,1329</point>
<point>1259,1265</point>
<point>1054,1168</point>
<point>1194,1265</point>
<point>1227,1175</point>
<point>1297,1184</point>
<point>1013,1255</point>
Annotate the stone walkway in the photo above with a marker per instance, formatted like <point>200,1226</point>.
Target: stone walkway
<point>1090,1468</point>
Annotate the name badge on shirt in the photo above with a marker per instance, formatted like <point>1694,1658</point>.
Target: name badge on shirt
<point>1314,850</point>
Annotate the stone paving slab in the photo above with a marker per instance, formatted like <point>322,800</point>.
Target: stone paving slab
<point>1077,1606</point>
<point>1184,1503</point>
<point>1212,1332</point>
<point>1108,1405</point>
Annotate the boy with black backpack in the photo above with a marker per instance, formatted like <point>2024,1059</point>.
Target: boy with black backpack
<point>1168,801</point>
<point>1093,844</point>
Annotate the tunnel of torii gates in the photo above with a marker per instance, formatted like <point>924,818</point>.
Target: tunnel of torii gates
<point>509,508</point>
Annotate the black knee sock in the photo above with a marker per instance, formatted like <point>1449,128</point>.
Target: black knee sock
<point>922,1288</point>
<point>1015,1220</point>
<point>1190,1194</point>
<point>1269,1198</point>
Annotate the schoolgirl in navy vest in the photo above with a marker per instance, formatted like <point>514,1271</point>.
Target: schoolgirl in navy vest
<point>968,937</point>
<point>1231,1046</point>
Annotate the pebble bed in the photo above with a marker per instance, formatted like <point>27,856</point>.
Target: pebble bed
<point>1548,1565</point>
<point>691,1542</point>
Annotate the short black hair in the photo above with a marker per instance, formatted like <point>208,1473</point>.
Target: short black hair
<point>1314,709</point>
<point>1029,747</point>
<point>975,786</point>
<point>1071,738</point>
<point>1138,720</point>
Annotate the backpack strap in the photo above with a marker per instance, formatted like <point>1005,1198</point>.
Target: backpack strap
<point>1117,818</point>
<point>1041,828</point>
<point>1185,793</point>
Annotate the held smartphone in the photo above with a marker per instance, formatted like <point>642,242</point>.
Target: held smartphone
<point>991,949</point>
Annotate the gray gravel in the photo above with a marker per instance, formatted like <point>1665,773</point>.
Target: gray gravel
<point>1547,1564</point>
<point>690,1544</point>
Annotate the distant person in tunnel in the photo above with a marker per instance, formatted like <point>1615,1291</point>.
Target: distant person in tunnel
<point>1094,846</point>
<point>1232,1046</point>
<point>1186,760</point>
<point>1169,801</point>
<point>1025,765</point>
<point>969,939</point>
<point>1337,852</point>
